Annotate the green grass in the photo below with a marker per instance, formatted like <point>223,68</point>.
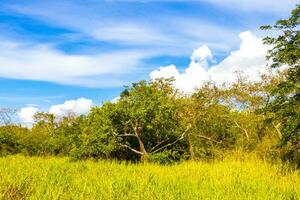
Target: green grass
<point>57,178</point>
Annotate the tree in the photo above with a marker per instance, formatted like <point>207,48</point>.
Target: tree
<point>211,122</point>
<point>9,132</point>
<point>96,139</point>
<point>66,134</point>
<point>245,99</point>
<point>146,119</point>
<point>286,104</point>
<point>11,139</point>
<point>37,141</point>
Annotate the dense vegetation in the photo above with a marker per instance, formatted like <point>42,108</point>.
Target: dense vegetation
<point>56,178</point>
<point>152,121</point>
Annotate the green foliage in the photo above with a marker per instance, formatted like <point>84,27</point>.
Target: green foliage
<point>146,118</point>
<point>96,140</point>
<point>10,139</point>
<point>286,104</point>
<point>211,130</point>
<point>153,122</point>
<point>167,157</point>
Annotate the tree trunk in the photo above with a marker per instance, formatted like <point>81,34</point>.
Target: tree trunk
<point>191,148</point>
<point>145,156</point>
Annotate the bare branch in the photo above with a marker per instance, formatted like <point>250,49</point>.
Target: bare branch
<point>132,149</point>
<point>208,138</point>
<point>7,116</point>
<point>158,144</point>
<point>277,129</point>
<point>178,139</point>
<point>127,135</point>
<point>245,131</point>
<point>123,135</point>
<point>135,128</point>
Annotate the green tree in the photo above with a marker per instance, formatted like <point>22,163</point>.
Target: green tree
<point>286,104</point>
<point>11,139</point>
<point>37,141</point>
<point>146,119</point>
<point>66,134</point>
<point>96,140</point>
<point>210,121</point>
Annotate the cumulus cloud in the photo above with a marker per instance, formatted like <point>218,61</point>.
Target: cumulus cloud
<point>79,106</point>
<point>26,115</point>
<point>249,58</point>
<point>115,100</point>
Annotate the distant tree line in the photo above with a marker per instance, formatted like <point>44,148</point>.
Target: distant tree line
<point>152,121</point>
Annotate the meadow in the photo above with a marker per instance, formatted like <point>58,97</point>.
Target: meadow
<point>58,178</point>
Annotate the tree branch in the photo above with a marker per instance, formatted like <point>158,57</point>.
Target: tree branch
<point>123,135</point>
<point>277,129</point>
<point>245,131</point>
<point>158,144</point>
<point>132,149</point>
<point>208,138</point>
<point>127,135</point>
<point>178,139</point>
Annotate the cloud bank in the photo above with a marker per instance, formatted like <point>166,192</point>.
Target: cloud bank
<point>249,58</point>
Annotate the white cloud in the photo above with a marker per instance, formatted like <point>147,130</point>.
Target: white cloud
<point>167,33</point>
<point>249,58</point>
<point>201,54</point>
<point>43,62</point>
<point>165,72</point>
<point>115,100</point>
<point>26,115</point>
<point>164,31</point>
<point>79,106</point>
<point>130,33</point>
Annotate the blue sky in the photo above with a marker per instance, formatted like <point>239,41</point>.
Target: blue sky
<point>53,51</point>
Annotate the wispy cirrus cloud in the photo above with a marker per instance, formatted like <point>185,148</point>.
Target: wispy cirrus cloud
<point>43,62</point>
<point>140,32</point>
<point>130,27</point>
<point>138,38</point>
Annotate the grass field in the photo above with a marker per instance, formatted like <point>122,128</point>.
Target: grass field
<point>57,178</point>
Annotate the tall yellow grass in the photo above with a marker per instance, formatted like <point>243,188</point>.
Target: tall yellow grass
<point>57,178</point>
